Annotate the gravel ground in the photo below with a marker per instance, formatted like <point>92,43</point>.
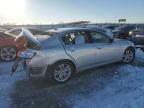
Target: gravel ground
<point>111,86</point>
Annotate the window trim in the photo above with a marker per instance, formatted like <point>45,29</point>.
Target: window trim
<point>61,38</point>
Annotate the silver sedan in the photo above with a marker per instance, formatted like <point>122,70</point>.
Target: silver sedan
<point>59,53</point>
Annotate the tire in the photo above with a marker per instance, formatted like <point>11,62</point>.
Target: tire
<point>129,55</point>
<point>60,72</point>
<point>8,53</point>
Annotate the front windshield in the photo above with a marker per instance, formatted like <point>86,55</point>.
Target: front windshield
<point>15,31</point>
<point>6,35</point>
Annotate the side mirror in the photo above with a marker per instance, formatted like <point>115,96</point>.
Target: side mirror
<point>79,39</point>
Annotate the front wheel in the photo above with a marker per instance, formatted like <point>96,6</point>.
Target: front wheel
<point>129,55</point>
<point>60,72</point>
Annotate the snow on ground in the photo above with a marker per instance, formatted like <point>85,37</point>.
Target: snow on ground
<point>127,91</point>
<point>7,84</point>
<point>111,86</point>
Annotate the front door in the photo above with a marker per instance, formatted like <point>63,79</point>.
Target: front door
<point>77,46</point>
<point>106,49</point>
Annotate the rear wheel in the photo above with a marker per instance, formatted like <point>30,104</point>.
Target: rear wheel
<point>129,55</point>
<point>8,53</point>
<point>60,72</point>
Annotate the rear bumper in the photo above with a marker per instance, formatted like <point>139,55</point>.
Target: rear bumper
<point>34,72</point>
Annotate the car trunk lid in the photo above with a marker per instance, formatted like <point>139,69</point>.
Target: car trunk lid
<point>31,39</point>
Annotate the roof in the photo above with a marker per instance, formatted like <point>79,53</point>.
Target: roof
<point>71,29</point>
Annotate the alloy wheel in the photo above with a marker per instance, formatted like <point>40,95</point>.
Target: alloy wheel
<point>8,53</point>
<point>62,72</point>
<point>128,56</point>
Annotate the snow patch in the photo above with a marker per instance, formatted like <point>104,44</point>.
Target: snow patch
<point>126,91</point>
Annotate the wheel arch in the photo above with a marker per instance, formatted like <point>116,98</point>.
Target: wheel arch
<point>130,47</point>
<point>67,60</point>
<point>48,73</point>
<point>62,60</point>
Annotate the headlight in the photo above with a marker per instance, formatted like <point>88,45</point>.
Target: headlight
<point>130,33</point>
<point>27,55</point>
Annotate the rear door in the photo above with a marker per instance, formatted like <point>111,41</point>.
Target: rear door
<point>82,53</point>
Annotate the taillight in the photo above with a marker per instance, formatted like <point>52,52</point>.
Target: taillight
<point>26,55</point>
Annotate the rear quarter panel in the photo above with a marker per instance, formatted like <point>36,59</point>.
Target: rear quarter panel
<point>53,52</point>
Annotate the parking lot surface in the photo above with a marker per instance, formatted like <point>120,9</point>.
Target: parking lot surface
<point>111,86</point>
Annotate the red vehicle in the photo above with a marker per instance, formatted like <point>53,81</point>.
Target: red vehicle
<point>8,46</point>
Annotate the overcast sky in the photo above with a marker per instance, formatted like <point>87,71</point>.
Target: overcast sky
<point>57,11</point>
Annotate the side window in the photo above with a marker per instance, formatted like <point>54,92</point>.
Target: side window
<point>71,38</point>
<point>97,37</point>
